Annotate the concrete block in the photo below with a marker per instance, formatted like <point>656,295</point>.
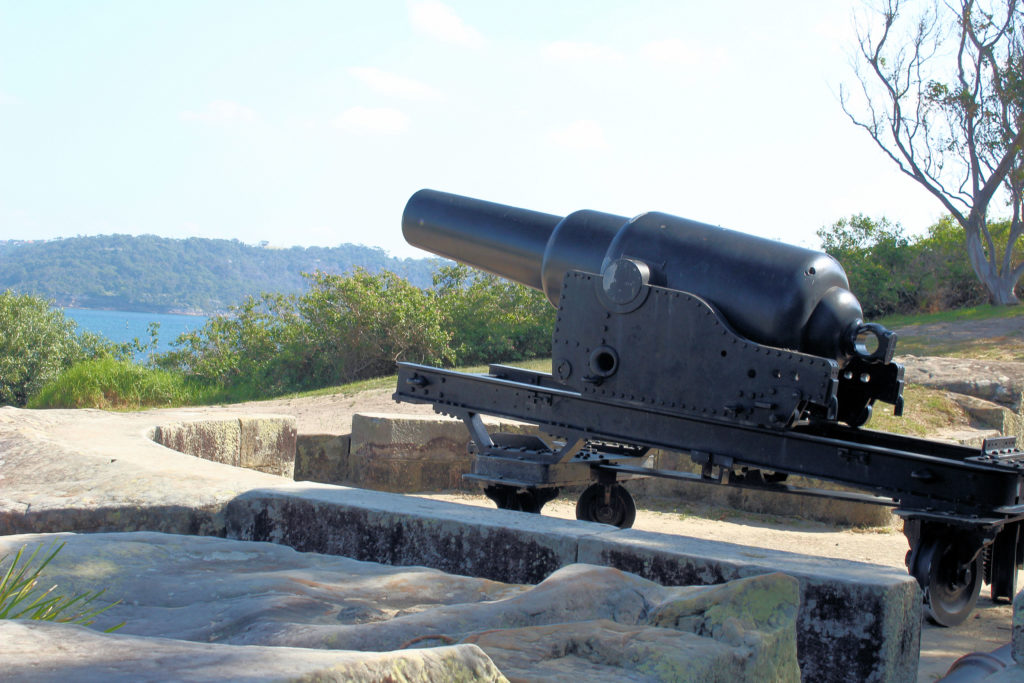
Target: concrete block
<point>873,612</point>
<point>322,457</point>
<point>393,529</point>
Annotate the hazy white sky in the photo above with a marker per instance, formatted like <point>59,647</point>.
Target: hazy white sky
<point>312,121</point>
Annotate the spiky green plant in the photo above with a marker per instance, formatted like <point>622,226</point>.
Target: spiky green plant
<point>21,598</point>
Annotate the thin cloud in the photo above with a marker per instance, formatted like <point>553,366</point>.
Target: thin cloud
<point>221,112</point>
<point>440,21</point>
<point>672,52</point>
<point>582,135</point>
<point>376,120</point>
<point>393,85</point>
<point>569,51</point>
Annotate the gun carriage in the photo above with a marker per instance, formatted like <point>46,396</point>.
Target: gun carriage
<point>749,355</point>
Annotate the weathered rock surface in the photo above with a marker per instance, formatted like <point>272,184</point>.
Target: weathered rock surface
<point>1000,382</point>
<point>94,471</point>
<point>87,470</point>
<point>322,457</point>
<point>582,620</point>
<point>42,651</point>
<point>877,606</point>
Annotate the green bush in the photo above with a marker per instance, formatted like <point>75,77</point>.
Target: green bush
<point>343,329</point>
<point>36,343</point>
<point>891,273</point>
<point>361,325</point>
<point>248,353</point>
<point>492,319</point>
<point>877,261</point>
<point>109,383</point>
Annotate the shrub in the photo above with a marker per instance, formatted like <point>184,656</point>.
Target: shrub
<point>36,343</point>
<point>492,319</point>
<point>361,325</point>
<point>344,328</point>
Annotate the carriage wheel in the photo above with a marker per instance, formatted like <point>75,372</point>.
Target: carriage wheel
<point>607,504</point>
<point>950,581</point>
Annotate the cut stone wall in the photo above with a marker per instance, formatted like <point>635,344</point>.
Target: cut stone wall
<point>856,621</point>
<point>414,453</point>
<point>265,443</point>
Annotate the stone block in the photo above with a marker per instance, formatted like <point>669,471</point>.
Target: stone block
<point>322,457</point>
<point>874,612</point>
<point>267,444</point>
<point>379,527</point>
<point>414,453</point>
<point>213,440</point>
<point>985,414</point>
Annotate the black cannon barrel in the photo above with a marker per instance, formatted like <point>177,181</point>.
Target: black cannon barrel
<point>500,239</point>
<point>529,247</point>
<point>772,293</point>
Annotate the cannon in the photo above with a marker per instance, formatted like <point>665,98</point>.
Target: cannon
<point>749,355</point>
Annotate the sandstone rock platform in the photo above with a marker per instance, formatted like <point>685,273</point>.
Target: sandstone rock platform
<point>101,472</point>
<point>197,608</point>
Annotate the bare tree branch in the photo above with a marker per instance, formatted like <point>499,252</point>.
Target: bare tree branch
<point>942,92</point>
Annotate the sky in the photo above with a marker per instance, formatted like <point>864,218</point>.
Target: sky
<point>311,122</point>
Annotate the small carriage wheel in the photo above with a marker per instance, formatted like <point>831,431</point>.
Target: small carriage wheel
<point>607,504</point>
<point>950,586</point>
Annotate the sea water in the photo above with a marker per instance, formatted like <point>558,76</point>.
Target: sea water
<point>123,326</point>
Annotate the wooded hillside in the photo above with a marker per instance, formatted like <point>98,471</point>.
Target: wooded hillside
<point>195,275</point>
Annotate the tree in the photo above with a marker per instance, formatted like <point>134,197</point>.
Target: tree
<point>943,97</point>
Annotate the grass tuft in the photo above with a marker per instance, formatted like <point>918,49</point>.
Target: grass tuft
<point>21,598</point>
<point>111,384</point>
